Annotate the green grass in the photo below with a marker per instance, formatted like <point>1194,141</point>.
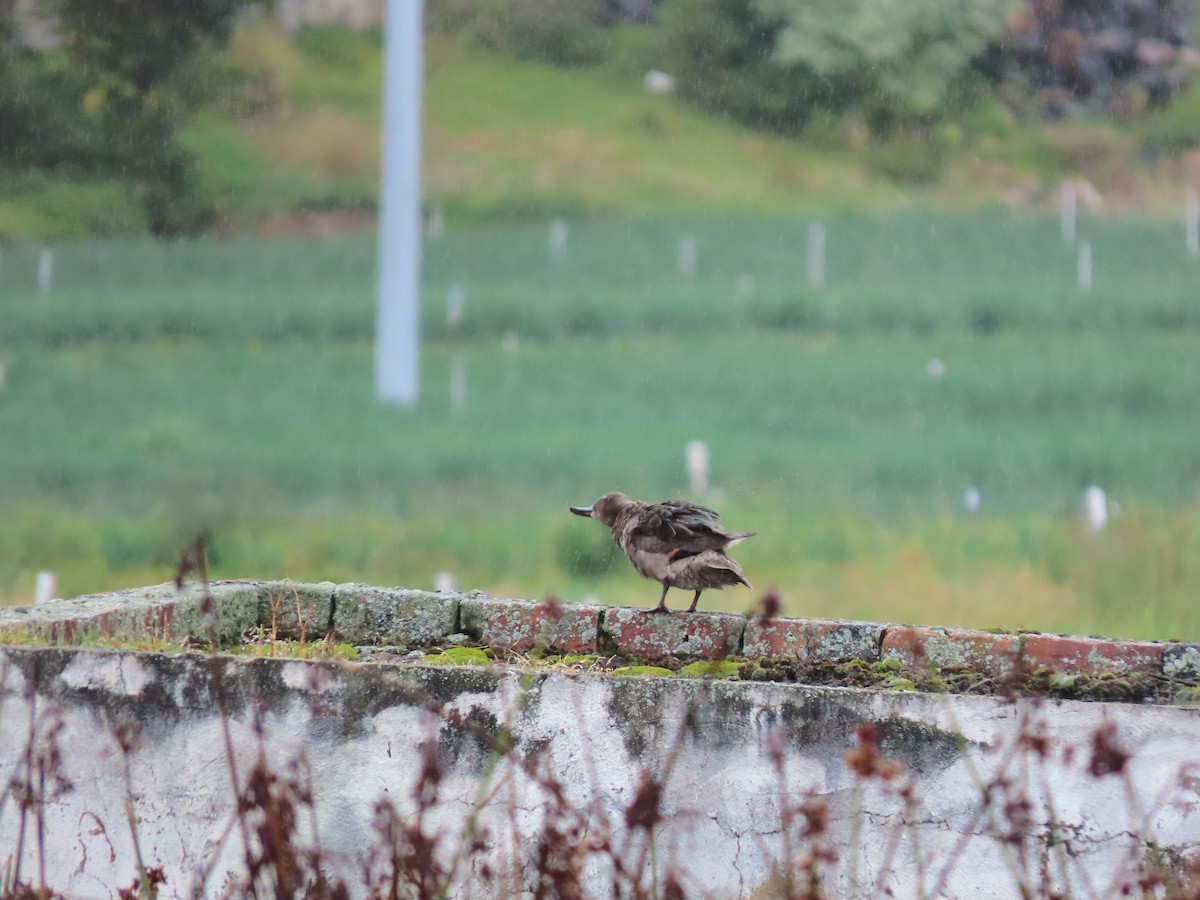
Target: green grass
<point>225,387</point>
<point>985,273</point>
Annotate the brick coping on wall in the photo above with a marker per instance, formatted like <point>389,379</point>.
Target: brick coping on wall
<point>363,614</point>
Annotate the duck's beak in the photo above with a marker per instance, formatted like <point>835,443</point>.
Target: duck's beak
<point>585,511</point>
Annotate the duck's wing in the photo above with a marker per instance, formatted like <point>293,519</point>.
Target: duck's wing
<point>677,526</point>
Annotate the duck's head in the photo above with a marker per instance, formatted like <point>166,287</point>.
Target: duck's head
<point>606,509</point>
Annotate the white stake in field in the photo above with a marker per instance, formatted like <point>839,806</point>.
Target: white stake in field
<point>1095,509</point>
<point>697,457</point>
<point>45,270</point>
<point>45,588</point>
<point>456,305</point>
<point>1067,201</point>
<point>558,237</point>
<point>743,287</point>
<point>1191,225</point>
<point>687,257</point>
<point>816,255</point>
<point>458,384</point>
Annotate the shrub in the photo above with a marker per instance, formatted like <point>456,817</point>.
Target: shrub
<point>774,63</point>
<point>560,32</point>
<point>721,53</point>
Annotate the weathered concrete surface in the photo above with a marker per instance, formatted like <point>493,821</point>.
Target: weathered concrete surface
<point>636,633</point>
<point>811,640</point>
<point>1089,656</point>
<point>1182,661</point>
<point>294,609</point>
<point>364,614</point>
<point>523,626</point>
<point>160,613</point>
<point>915,647</point>
<point>734,757</point>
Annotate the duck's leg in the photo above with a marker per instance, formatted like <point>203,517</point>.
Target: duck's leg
<point>662,601</point>
<point>695,600</point>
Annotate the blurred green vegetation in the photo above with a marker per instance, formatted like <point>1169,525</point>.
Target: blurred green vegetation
<point>224,387</point>
<point>277,123</point>
<point>101,104</point>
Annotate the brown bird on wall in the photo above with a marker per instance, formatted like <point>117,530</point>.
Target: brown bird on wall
<point>677,544</point>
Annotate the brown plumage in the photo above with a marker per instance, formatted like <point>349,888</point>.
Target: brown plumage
<point>677,544</point>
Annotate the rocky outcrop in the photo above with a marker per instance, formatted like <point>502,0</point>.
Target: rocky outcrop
<point>1120,54</point>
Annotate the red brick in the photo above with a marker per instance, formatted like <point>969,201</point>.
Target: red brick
<point>522,625</point>
<point>811,640</point>
<point>640,634</point>
<point>918,647</point>
<point>1092,656</point>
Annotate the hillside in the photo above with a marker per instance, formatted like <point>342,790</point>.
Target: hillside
<point>290,143</point>
<point>507,139</point>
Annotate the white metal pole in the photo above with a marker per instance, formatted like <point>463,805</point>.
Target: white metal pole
<point>397,332</point>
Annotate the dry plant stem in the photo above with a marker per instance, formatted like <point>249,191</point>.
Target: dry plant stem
<point>41,829</point>
<point>1140,831</point>
<point>985,810</point>
<point>660,790</point>
<point>1059,842</point>
<point>25,790</point>
<point>40,781</point>
<point>787,810</point>
<point>622,874</point>
<point>894,839</point>
<point>304,782</point>
<point>596,826</point>
<point>143,878</point>
<point>227,737</point>
<point>1016,793</point>
<point>987,791</point>
<point>301,617</point>
<point>276,608</point>
<point>515,866</point>
<point>855,833</point>
<point>484,795</point>
<point>7,786</point>
<point>918,857</point>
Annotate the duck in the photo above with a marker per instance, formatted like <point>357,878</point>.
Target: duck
<point>676,543</point>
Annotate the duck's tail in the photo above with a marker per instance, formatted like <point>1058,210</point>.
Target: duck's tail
<point>738,536</point>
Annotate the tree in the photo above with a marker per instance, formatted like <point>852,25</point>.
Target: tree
<point>107,100</point>
<point>721,53</point>
<point>774,63</point>
<point>900,59</point>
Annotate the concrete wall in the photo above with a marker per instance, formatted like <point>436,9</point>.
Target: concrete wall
<point>525,752</point>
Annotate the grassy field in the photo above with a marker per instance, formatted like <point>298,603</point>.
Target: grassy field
<point>159,390</point>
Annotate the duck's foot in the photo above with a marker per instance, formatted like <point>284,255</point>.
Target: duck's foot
<point>662,602</point>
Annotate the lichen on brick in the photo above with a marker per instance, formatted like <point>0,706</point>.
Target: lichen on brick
<point>1182,661</point>
<point>364,614</point>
